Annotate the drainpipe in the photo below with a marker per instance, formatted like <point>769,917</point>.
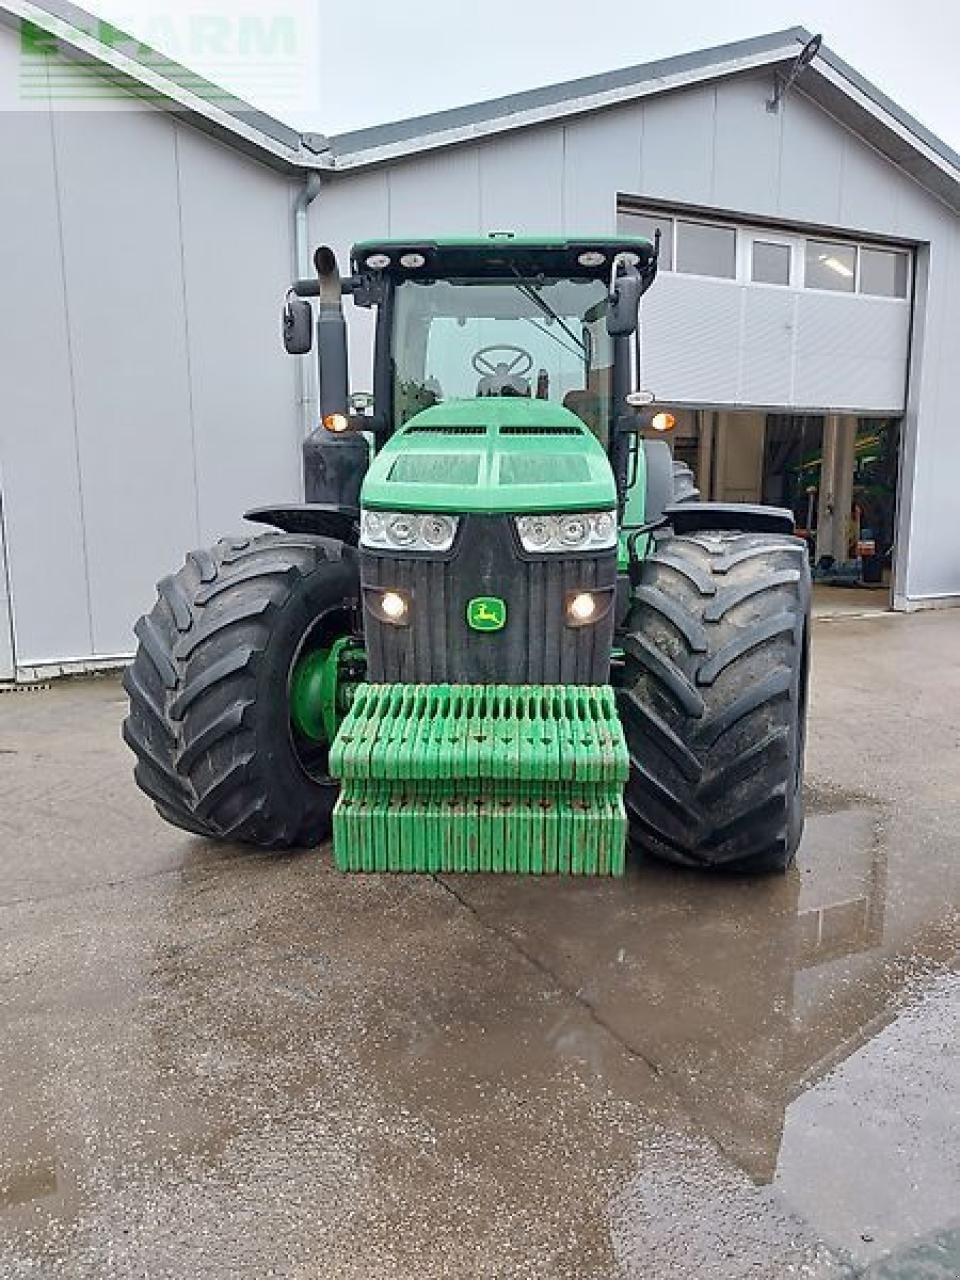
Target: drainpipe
<point>306,368</point>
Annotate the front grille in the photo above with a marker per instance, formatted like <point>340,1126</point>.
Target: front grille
<point>535,646</point>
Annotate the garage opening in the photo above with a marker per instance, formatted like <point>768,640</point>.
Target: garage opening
<point>837,473</point>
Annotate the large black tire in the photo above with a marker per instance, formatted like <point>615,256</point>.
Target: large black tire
<point>713,700</point>
<point>209,695</point>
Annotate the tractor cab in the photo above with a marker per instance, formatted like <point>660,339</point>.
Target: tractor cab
<point>503,316</point>
<point>548,323</point>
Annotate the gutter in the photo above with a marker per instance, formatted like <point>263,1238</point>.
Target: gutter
<point>303,269</point>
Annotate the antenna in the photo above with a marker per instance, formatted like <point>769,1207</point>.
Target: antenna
<point>803,59</point>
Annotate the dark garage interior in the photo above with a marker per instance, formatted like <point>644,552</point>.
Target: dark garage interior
<point>837,473</point>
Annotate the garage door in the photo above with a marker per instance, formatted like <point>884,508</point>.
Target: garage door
<point>742,316</point>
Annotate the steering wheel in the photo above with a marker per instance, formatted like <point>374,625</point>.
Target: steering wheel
<point>488,368</point>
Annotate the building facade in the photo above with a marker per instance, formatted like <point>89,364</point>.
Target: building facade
<point>810,269</point>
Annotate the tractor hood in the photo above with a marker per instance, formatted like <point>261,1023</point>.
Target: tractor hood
<point>493,454</point>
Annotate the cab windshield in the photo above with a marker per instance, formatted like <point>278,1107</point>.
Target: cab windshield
<point>453,340</point>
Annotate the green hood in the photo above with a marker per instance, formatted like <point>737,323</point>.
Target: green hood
<point>493,454</point>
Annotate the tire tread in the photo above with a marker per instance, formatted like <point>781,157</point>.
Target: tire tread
<point>194,724</point>
<point>713,699</point>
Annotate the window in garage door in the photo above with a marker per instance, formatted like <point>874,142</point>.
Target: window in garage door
<point>706,249</point>
<point>884,273</point>
<point>642,224</point>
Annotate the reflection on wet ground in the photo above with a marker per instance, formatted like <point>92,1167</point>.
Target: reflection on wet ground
<point>218,1063</point>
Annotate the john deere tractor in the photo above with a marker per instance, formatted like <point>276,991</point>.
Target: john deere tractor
<point>502,633</point>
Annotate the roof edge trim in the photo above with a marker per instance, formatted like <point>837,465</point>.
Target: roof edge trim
<point>281,142</point>
<point>565,108</point>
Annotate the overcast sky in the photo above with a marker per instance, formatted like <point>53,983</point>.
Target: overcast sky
<point>368,61</point>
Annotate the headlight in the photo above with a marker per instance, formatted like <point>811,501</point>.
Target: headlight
<point>578,531</point>
<point>388,604</point>
<point>407,531</point>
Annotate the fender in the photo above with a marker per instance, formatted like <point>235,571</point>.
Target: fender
<point>322,519</point>
<point>691,517</point>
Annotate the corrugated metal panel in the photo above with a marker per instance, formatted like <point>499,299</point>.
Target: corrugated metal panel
<point>719,342</point>
<point>690,345</point>
<point>851,352</point>
<point>767,346</point>
<point>108,418</point>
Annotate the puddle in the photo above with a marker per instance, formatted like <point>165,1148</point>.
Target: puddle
<point>288,1062</point>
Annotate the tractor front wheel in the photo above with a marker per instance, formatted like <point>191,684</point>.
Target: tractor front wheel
<point>210,722</point>
<point>713,700</point>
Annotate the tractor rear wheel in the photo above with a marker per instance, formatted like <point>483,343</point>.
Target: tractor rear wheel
<point>713,700</point>
<point>210,712</point>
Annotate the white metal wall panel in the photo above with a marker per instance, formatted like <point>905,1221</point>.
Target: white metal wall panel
<point>521,183</point>
<point>811,163</point>
<point>237,260</point>
<point>124,284</point>
<point>437,195</point>
<point>871,190</point>
<point>851,352</point>
<point>6,621</point>
<point>38,447</point>
<point>933,568</point>
<point>746,144</point>
<point>677,149</point>
<point>601,156</point>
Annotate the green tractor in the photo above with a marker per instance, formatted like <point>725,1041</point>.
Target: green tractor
<point>502,633</point>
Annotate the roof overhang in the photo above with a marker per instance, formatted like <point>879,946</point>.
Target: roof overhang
<point>828,81</point>
<point>160,81</point>
<point>855,103</point>
<point>554,103</point>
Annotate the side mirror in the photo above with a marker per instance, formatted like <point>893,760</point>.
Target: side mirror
<point>624,303</point>
<point>297,326</point>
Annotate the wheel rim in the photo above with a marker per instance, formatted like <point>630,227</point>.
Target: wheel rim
<point>312,753</point>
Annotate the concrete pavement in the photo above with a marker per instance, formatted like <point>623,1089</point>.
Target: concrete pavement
<point>219,1063</point>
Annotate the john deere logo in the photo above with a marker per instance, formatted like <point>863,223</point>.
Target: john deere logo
<point>487,613</point>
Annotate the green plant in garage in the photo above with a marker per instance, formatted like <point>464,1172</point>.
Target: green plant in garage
<point>501,633</point>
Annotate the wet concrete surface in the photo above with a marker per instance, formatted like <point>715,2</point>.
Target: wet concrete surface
<point>219,1063</point>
